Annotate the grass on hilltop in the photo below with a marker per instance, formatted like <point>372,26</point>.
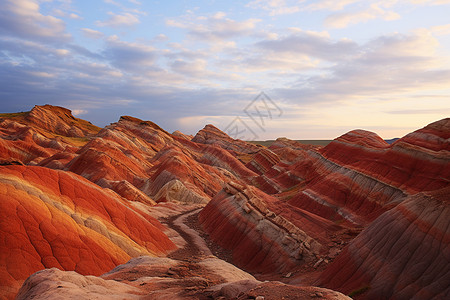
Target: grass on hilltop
<point>18,115</point>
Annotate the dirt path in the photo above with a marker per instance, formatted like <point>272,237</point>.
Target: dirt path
<point>198,244</point>
<point>195,245</point>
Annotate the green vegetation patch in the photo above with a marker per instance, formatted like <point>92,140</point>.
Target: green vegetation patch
<point>267,143</point>
<point>14,115</point>
<point>359,291</point>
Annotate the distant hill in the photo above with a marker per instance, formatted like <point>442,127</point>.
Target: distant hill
<point>391,141</point>
<point>323,143</point>
<point>268,143</point>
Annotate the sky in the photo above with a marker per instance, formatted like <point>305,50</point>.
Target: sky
<point>257,69</point>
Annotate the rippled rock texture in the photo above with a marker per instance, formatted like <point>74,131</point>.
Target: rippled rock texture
<point>360,216</point>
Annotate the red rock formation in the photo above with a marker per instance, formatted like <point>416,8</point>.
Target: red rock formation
<point>350,182</point>
<point>23,143</point>
<point>177,176</point>
<point>178,133</point>
<point>319,198</point>
<point>403,254</point>
<point>265,235</point>
<point>218,157</point>
<point>58,219</point>
<point>290,151</point>
<point>263,161</point>
<point>59,120</point>
<point>212,135</point>
<point>163,278</point>
<point>359,176</point>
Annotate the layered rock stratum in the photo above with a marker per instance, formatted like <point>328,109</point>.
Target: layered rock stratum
<point>132,211</point>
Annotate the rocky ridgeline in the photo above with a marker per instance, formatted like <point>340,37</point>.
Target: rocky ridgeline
<point>358,215</point>
<point>298,244</point>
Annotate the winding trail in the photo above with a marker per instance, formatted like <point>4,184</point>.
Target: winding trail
<point>195,245</point>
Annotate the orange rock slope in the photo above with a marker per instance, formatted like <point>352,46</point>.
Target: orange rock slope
<point>289,212</point>
<point>30,137</point>
<point>325,197</point>
<point>58,219</point>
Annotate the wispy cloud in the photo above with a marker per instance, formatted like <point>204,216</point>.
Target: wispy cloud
<point>275,7</point>
<point>214,27</point>
<point>118,20</point>
<point>91,33</point>
<point>385,67</point>
<point>129,57</point>
<point>341,20</point>
<point>314,44</point>
<point>331,5</point>
<point>420,111</point>
<point>441,29</point>
<point>356,11</point>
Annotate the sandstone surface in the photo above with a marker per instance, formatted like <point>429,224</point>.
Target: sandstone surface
<point>58,219</point>
<point>360,216</point>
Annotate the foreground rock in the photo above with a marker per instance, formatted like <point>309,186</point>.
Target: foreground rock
<point>164,278</point>
<point>58,219</point>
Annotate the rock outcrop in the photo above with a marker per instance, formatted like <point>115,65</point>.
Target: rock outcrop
<point>58,219</point>
<point>59,120</point>
<point>331,194</point>
<point>403,254</point>
<point>253,225</point>
<point>49,120</point>
<point>214,136</point>
<point>164,278</point>
<point>359,215</point>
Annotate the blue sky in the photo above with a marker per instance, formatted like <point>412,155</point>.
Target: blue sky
<point>325,67</point>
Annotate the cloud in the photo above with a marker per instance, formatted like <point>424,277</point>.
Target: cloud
<point>77,112</point>
<point>274,7</point>
<point>196,68</point>
<point>430,2</point>
<point>215,27</point>
<point>441,30</point>
<point>130,57</point>
<point>331,5</point>
<point>161,38</point>
<point>420,111</point>
<point>41,74</point>
<point>22,18</point>
<point>61,13</point>
<point>118,20</point>
<point>93,34</point>
<point>314,44</point>
<point>337,5</point>
<point>75,16</point>
<point>385,67</point>
<point>25,52</point>
<point>342,20</point>
<point>221,64</point>
<point>112,2</point>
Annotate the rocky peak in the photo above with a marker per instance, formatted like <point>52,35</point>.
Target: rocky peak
<point>212,135</point>
<point>363,138</point>
<point>59,120</point>
<point>434,136</point>
<point>141,122</point>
